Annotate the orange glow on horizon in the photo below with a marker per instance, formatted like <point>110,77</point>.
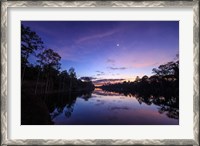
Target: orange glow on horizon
<point>98,84</point>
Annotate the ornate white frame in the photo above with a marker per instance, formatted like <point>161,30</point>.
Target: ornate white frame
<point>5,5</point>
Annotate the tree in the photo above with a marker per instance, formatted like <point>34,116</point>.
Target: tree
<point>137,78</point>
<point>30,42</point>
<point>50,64</point>
<point>144,78</point>
<point>63,78</point>
<point>72,75</point>
<point>41,61</point>
<point>170,68</point>
<point>49,59</point>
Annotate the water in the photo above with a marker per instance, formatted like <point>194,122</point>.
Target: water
<point>108,108</point>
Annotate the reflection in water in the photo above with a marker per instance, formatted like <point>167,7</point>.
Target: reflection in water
<point>109,108</point>
<point>69,110</point>
<point>99,91</point>
<point>171,112</point>
<point>119,108</point>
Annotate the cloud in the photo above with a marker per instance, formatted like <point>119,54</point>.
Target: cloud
<point>72,53</point>
<point>87,78</point>
<point>145,64</point>
<point>39,28</point>
<point>100,73</point>
<point>67,53</point>
<point>110,61</point>
<point>140,59</point>
<point>105,81</point>
<point>96,36</point>
<point>117,68</point>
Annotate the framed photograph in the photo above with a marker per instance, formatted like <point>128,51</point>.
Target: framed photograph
<point>100,72</point>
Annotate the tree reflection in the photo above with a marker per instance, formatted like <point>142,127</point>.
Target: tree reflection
<point>170,111</point>
<point>69,109</point>
<point>161,89</point>
<point>167,105</point>
<point>86,96</point>
<point>64,102</point>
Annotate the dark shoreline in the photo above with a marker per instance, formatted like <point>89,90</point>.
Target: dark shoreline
<point>35,110</point>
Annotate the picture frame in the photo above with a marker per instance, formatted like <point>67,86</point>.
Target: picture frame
<point>6,5</point>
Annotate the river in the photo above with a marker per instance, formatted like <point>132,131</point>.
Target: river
<point>109,108</point>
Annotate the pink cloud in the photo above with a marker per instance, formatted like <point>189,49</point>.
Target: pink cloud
<point>145,64</point>
<point>139,59</point>
<point>96,36</point>
<point>66,53</point>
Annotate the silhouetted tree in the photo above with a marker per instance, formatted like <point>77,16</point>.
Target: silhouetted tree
<point>144,78</point>
<point>137,78</point>
<point>170,68</point>
<point>46,75</point>
<point>165,83</point>
<point>64,76</point>
<point>30,42</point>
<point>72,75</point>
<point>51,65</point>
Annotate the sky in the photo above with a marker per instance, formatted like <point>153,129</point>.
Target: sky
<point>110,50</point>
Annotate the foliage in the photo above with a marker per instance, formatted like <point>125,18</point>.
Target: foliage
<point>30,43</point>
<point>165,83</point>
<point>170,68</point>
<point>45,76</point>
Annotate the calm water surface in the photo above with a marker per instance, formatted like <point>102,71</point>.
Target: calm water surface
<point>108,108</point>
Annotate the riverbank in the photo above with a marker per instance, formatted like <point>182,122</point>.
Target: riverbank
<point>34,110</point>
<point>37,106</point>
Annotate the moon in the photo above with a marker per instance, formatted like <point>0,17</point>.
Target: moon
<point>117,45</point>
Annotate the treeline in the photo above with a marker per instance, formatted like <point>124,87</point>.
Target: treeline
<point>45,76</point>
<point>164,83</point>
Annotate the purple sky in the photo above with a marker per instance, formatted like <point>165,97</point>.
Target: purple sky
<point>110,49</point>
